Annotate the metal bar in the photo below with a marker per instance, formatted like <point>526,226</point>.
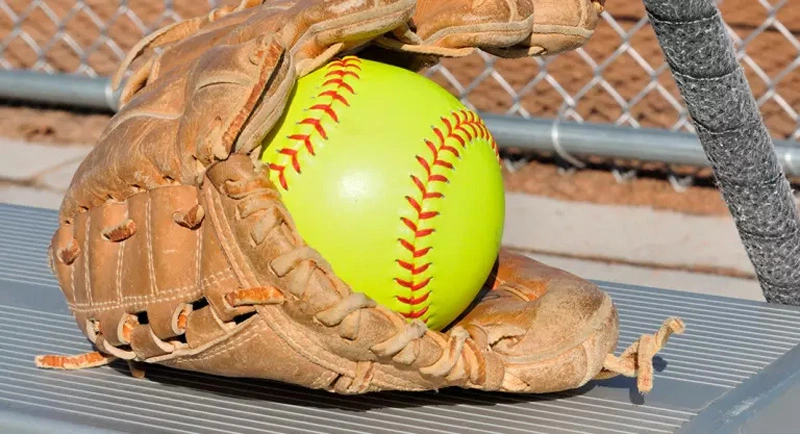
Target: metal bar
<point>594,139</point>
<point>59,89</point>
<point>535,134</point>
<point>605,140</point>
<point>763,403</point>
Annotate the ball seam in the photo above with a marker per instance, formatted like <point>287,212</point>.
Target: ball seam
<point>464,127</point>
<point>336,83</point>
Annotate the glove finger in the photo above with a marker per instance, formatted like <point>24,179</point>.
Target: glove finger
<point>176,127</point>
<point>558,26</point>
<point>460,25</point>
<point>216,91</point>
<point>508,29</point>
<point>168,34</point>
<point>308,28</point>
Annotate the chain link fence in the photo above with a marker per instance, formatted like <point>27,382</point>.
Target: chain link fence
<point>619,78</point>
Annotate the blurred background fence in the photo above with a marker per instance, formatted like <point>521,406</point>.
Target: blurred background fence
<point>611,102</point>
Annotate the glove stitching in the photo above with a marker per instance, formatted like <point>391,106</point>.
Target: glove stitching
<point>228,346</point>
<point>384,379</point>
<point>197,255</point>
<point>464,127</point>
<point>149,238</point>
<point>72,294</point>
<point>215,278</point>
<point>120,258</point>
<point>87,279</point>
<point>306,346</point>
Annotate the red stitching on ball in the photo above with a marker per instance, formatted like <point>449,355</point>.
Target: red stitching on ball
<point>414,301</point>
<point>340,83</point>
<point>338,72</point>
<point>306,139</point>
<point>417,314</point>
<point>336,96</point>
<point>414,286</point>
<point>327,109</point>
<point>316,123</point>
<point>464,127</point>
<point>410,267</point>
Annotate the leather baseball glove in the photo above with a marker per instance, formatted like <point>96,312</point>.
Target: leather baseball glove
<point>175,248</point>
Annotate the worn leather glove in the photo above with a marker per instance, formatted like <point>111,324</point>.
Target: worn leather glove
<point>175,248</point>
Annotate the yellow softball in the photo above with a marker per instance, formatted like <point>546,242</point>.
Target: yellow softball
<point>395,182</point>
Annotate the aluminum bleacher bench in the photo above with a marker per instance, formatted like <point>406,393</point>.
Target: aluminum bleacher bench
<point>736,369</point>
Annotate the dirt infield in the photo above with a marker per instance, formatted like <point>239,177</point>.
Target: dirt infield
<point>92,38</point>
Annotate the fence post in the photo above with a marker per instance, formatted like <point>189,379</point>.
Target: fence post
<point>713,85</point>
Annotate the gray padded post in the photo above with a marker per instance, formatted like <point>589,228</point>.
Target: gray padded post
<point>738,145</point>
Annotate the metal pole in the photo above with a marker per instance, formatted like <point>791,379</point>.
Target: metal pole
<point>578,139</point>
<point>610,141</point>
<point>59,89</point>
